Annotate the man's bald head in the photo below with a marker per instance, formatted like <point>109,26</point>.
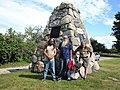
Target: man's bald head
<point>83,43</point>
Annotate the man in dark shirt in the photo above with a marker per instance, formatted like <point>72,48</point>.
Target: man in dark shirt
<point>84,56</point>
<point>65,55</point>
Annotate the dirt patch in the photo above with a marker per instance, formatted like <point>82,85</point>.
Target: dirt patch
<point>104,58</point>
<point>16,69</point>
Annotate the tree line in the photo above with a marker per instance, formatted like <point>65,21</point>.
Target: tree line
<point>18,47</point>
<point>100,48</point>
<point>116,31</point>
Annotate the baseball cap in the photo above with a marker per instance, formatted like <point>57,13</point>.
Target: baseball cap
<point>65,36</point>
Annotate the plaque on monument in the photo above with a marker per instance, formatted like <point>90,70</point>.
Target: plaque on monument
<point>55,32</point>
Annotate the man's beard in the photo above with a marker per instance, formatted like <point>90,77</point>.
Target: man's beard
<point>51,44</point>
<point>83,46</point>
<point>64,43</point>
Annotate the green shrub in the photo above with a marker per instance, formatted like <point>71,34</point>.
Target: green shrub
<point>13,47</point>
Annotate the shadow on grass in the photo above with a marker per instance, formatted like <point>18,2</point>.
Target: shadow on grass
<point>17,70</point>
<point>36,76</point>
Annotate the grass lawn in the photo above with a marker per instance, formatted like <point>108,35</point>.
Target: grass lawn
<point>110,55</point>
<point>14,64</point>
<point>100,80</point>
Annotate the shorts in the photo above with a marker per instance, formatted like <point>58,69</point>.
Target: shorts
<point>84,61</point>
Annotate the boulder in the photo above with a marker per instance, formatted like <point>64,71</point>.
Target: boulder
<point>69,33</point>
<point>75,40</point>
<point>70,12</point>
<point>71,27</point>
<point>64,27</point>
<point>66,19</point>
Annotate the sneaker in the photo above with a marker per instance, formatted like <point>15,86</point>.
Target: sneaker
<point>54,79</point>
<point>84,79</point>
<point>43,79</point>
<point>59,79</point>
<point>68,79</point>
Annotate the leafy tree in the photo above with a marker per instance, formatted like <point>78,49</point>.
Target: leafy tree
<point>33,34</point>
<point>9,46</point>
<point>97,47</point>
<point>14,48</point>
<point>116,31</point>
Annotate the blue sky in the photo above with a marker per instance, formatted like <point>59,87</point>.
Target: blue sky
<point>97,15</point>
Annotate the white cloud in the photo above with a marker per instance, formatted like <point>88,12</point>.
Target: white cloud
<point>20,14</point>
<point>109,21</point>
<point>91,10</point>
<point>107,40</point>
<point>51,3</point>
<point>3,30</point>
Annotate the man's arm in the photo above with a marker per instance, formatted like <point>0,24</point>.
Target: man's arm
<point>70,48</point>
<point>90,50</point>
<point>59,48</point>
<point>53,54</point>
<point>70,54</point>
<point>46,54</point>
<point>75,53</point>
<point>76,50</point>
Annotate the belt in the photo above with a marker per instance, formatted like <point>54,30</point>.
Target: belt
<point>84,57</point>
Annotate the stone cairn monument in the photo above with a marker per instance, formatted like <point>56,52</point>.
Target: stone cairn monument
<point>66,20</point>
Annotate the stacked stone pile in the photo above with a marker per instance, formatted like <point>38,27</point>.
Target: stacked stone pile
<point>68,19</point>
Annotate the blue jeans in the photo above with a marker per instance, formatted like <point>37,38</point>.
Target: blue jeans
<point>64,67</point>
<point>52,68</point>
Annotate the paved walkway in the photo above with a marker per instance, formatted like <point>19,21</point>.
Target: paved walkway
<point>14,69</point>
<point>104,58</point>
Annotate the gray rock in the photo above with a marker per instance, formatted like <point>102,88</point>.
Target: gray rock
<point>114,79</point>
<point>76,15</point>
<point>75,40</point>
<point>64,12</point>
<point>55,23</point>
<point>66,5</point>
<point>52,17</point>
<point>78,11</point>
<point>70,12</point>
<point>75,33</point>
<point>66,19</point>
<point>41,44</point>
<point>62,6</point>
<point>61,33</point>
<point>59,14</point>
<point>80,31</point>
<point>71,27</point>
<point>76,22</point>
<point>46,31</point>
<point>69,33</point>
<point>64,27</point>
<point>56,10</point>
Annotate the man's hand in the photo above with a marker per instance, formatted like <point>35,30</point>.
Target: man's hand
<point>75,56</point>
<point>50,58</point>
<point>89,58</point>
